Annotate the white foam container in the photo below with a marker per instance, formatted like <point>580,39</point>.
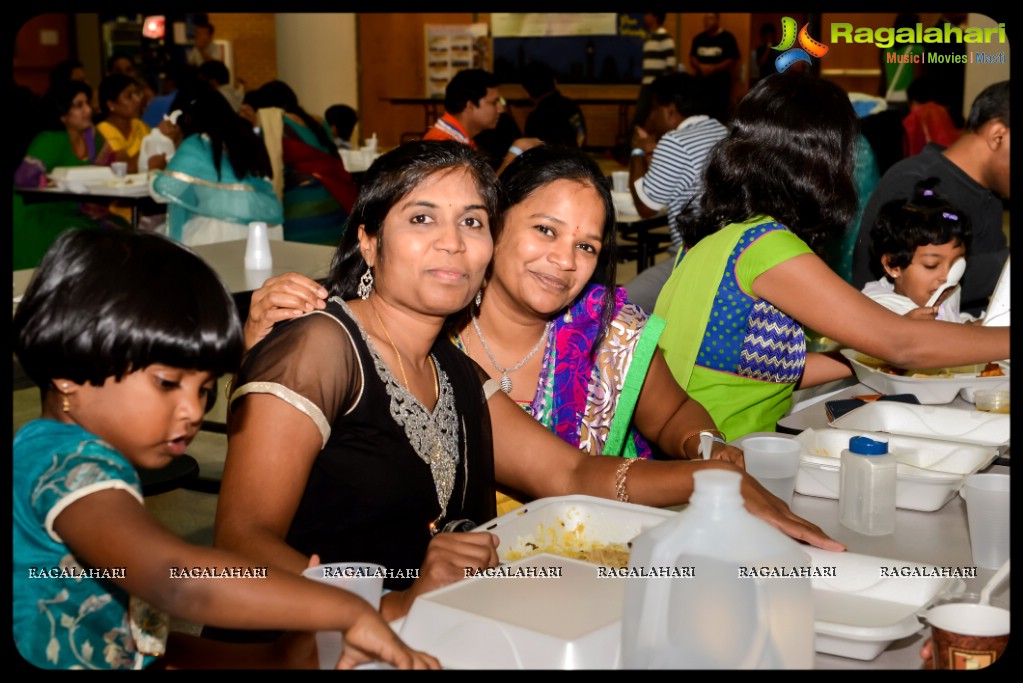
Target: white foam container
<point>82,174</point>
<point>571,622</point>
<point>544,520</point>
<point>928,422</point>
<point>928,475</point>
<point>858,612</point>
<point>928,390</point>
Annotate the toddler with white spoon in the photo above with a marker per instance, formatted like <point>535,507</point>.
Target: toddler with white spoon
<point>920,244</point>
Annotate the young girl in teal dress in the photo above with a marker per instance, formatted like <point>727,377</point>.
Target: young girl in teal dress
<point>126,373</point>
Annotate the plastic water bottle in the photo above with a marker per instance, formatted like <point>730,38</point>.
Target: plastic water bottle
<point>866,497</point>
<point>717,608</point>
<point>257,249</point>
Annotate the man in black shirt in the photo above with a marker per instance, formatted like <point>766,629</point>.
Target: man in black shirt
<point>714,56</point>
<point>555,119</point>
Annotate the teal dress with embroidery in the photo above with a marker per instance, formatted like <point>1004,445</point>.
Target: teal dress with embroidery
<point>61,619</point>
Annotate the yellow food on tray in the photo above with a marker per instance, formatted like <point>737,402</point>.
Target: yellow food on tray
<point>570,543</point>
<point>989,370</point>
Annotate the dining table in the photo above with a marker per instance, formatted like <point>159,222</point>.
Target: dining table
<point>138,201</point>
<point>939,538</point>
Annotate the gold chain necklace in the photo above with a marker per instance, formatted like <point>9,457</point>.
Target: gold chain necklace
<point>401,365</point>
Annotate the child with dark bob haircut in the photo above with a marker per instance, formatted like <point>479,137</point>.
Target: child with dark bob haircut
<point>125,334</point>
<point>914,243</point>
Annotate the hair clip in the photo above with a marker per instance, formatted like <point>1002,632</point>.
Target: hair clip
<point>949,216</point>
<point>928,193</point>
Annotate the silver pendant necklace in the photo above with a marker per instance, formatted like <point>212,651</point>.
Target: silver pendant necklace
<point>506,383</point>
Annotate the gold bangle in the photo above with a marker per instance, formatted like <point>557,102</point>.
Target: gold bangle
<point>621,474</point>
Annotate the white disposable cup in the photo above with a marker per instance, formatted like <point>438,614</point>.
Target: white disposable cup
<point>774,462</point>
<point>967,636</point>
<point>620,181</point>
<point>257,249</point>
<point>120,168</point>
<point>987,511</point>
<point>365,579</point>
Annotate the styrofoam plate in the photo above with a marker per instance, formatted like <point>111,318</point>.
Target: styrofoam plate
<point>929,422</point>
<point>859,612</point>
<point>929,471</point>
<point>928,390</point>
<point>569,622</point>
<point>570,522</point>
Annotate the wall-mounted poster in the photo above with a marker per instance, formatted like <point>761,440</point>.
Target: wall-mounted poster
<point>452,48</point>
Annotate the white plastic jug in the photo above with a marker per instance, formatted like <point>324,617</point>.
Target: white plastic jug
<point>717,588</point>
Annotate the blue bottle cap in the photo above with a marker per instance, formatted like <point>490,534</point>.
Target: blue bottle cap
<point>862,445</point>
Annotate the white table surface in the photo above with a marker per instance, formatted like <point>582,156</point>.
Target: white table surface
<point>228,260</point>
<point>939,538</point>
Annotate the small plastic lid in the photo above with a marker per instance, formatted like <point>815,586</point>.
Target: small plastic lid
<point>862,445</point>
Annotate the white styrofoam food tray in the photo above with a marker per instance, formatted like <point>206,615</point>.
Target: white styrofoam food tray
<point>929,471</point>
<point>568,521</point>
<point>571,622</point>
<point>929,422</point>
<point>928,390</point>
<point>858,612</point>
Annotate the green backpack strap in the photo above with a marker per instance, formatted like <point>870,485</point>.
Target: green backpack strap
<point>644,353</point>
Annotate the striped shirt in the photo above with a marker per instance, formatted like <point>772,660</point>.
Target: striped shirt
<point>658,55</point>
<point>676,172</point>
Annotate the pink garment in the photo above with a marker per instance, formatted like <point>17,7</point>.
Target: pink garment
<point>928,122</point>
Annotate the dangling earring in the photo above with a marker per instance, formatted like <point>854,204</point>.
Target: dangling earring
<point>479,298</point>
<point>65,404</point>
<point>365,284</point>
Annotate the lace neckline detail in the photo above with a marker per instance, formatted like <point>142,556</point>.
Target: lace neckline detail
<point>433,436</point>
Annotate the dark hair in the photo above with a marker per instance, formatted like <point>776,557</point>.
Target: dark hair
<point>203,23</point>
<point>469,85</point>
<point>903,224</point>
<point>111,88</point>
<point>659,17</point>
<point>789,154</point>
<point>280,94</point>
<point>687,92</point>
<point>924,89</point>
<point>768,27</point>
<point>205,111</point>
<point>61,73</point>
<point>214,70</point>
<point>107,302</point>
<point>343,118</point>
<point>538,79</point>
<point>906,20</point>
<point>391,178</point>
<point>991,104</point>
<point>114,59</point>
<point>540,166</point>
<point>57,101</point>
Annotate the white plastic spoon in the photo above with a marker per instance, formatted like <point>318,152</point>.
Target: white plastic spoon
<point>993,583</point>
<point>954,274</point>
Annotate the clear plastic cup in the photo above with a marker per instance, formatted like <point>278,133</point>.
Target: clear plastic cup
<point>774,462</point>
<point>992,401</point>
<point>987,512</point>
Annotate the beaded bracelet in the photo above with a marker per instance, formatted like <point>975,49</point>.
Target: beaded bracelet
<point>621,474</point>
